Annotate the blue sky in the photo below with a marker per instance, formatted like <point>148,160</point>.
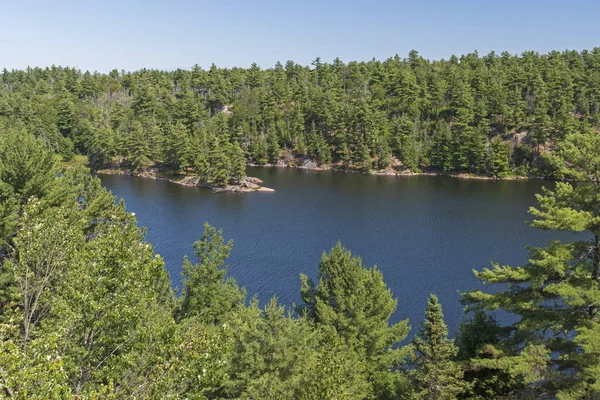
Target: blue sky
<point>103,35</point>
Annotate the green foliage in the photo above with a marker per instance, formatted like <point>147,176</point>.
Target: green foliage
<point>353,303</point>
<point>556,294</point>
<point>431,115</point>
<point>478,339</point>
<point>437,375</point>
<point>278,356</point>
<point>27,168</point>
<point>78,282</point>
<point>43,250</point>
<point>108,312</point>
<point>337,372</point>
<point>270,353</point>
<point>499,158</point>
<point>38,373</point>
<point>86,306</point>
<point>208,295</point>
<point>194,365</point>
<point>8,215</point>
<point>587,384</point>
<point>176,146</point>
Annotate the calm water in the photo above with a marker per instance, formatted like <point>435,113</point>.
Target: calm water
<point>426,234</point>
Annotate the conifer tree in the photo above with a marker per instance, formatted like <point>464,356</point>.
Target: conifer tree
<point>354,303</point>
<point>437,375</point>
<point>238,167</point>
<point>499,158</point>
<point>208,294</point>
<point>101,146</point>
<point>175,144</point>
<point>476,340</point>
<point>557,293</point>
<point>26,166</point>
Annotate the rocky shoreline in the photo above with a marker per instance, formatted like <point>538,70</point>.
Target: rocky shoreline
<point>248,184</point>
<point>395,170</point>
<point>252,184</point>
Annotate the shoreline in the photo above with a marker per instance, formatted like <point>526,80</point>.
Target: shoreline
<point>247,185</point>
<point>252,184</point>
<point>312,166</point>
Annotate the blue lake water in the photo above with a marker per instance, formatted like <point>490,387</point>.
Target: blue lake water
<point>426,234</point>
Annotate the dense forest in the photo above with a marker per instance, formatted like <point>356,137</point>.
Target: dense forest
<point>496,115</point>
<point>87,309</point>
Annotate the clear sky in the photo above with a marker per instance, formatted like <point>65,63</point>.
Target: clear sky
<point>107,34</point>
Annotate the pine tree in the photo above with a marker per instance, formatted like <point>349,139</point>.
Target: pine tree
<point>220,165</point>
<point>354,303</point>
<point>208,294</point>
<point>441,149</point>
<point>26,166</point>
<point>174,146</point>
<point>137,146</point>
<point>476,144</point>
<point>499,158</point>
<point>410,152</point>
<point>238,162</point>
<point>557,293</point>
<point>272,148</point>
<point>476,340</point>
<point>438,376</point>
<point>364,158</point>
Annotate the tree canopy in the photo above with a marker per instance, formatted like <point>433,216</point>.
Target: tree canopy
<point>495,115</point>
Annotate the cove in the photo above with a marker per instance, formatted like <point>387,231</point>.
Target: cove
<point>425,233</point>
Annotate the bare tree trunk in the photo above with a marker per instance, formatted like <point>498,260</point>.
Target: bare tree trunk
<point>593,309</point>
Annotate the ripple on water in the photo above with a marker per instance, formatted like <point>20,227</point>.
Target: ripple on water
<point>426,234</point>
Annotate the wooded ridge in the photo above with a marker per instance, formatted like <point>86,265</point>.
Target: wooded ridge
<point>494,115</point>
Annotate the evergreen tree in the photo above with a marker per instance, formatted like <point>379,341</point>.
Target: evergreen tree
<point>207,294</point>
<point>353,302</point>
<point>26,166</point>
<point>442,150</point>
<point>137,147</point>
<point>238,166</point>
<point>273,148</point>
<point>220,164</point>
<point>476,145</point>
<point>410,153</point>
<point>499,158</point>
<point>86,309</point>
<point>175,146</point>
<point>438,376</point>
<point>439,113</point>
<point>477,340</point>
<point>556,294</point>
<point>102,147</point>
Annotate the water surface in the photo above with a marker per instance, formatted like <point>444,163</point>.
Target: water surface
<point>426,234</point>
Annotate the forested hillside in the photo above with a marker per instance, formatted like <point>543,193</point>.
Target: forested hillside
<point>496,115</point>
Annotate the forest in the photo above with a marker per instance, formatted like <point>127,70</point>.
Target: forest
<point>88,311</point>
<point>494,115</point>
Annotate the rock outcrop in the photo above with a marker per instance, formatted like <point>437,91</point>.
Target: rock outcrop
<point>248,184</point>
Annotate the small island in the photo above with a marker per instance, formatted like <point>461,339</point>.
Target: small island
<point>244,184</point>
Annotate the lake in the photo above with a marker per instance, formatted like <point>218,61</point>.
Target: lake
<point>426,234</point>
